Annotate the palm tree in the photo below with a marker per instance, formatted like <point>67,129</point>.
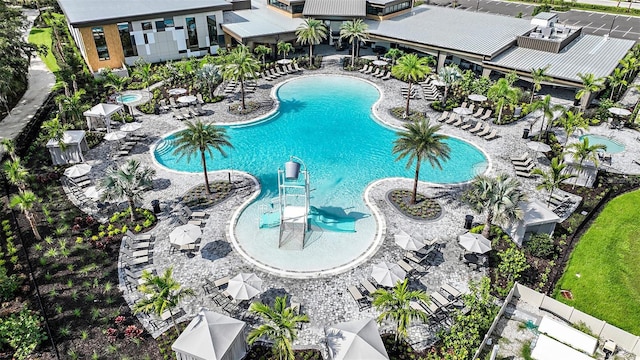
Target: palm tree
<point>411,68</point>
<point>284,48</point>
<point>26,202</point>
<point>616,79</point>
<point>583,151</point>
<point>143,71</point>
<point>280,326</point>
<point>497,198</point>
<point>9,147</point>
<point>502,94</point>
<point>72,107</point>
<point>548,111</point>
<point>209,76</point>
<point>394,305</point>
<point>17,174</point>
<point>115,82</point>
<point>538,76</point>
<point>552,179</point>
<point>129,182</point>
<point>449,75</point>
<point>203,138</point>
<point>262,52</point>
<point>163,293</point>
<point>571,122</point>
<point>354,31</point>
<point>590,84</point>
<point>54,129</point>
<point>311,32</point>
<point>420,141</point>
<point>394,54</point>
<point>630,65</point>
<point>240,65</point>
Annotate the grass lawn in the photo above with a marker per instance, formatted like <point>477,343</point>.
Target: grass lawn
<point>603,271</point>
<point>43,37</point>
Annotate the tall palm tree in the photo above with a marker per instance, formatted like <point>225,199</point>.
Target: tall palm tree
<point>355,31</point>
<point>590,84</point>
<point>538,76</point>
<point>449,75</point>
<point>394,54</point>
<point>497,198</point>
<point>163,293</point>
<point>420,141</point>
<point>552,178</point>
<point>26,201</point>
<point>280,326</point>
<point>630,64</point>
<point>72,107</point>
<point>262,52</point>
<point>617,79</point>
<point>284,48</point>
<point>311,32</point>
<point>240,65</point>
<point>395,305</point>
<point>129,182</point>
<point>502,94</point>
<point>54,130</point>
<point>201,138</point>
<point>583,151</point>
<point>411,68</point>
<point>143,71</point>
<point>17,174</point>
<point>570,123</point>
<point>548,111</point>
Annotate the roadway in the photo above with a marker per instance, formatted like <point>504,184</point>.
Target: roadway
<point>621,26</point>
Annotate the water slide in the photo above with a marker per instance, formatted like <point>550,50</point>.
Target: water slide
<point>317,217</point>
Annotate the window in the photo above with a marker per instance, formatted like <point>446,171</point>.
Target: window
<point>192,32</point>
<point>128,41</point>
<point>159,25</point>
<point>213,30</point>
<point>168,23</point>
<point>147,25</point>
<point>101,43</point>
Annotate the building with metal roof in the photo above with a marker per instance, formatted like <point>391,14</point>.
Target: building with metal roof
<point>259,25</point>
<point>335,9</point>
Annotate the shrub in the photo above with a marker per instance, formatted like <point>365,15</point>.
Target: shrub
<point>22,332</point>
<point>540,245</point>
<point>8,284</point>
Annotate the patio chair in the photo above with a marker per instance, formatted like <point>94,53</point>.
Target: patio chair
<point>219,283</point>
<point>359,298</point>
<point>431,307</point>
<point>135,253</point>
<point>376,72</point>
<point>524,168</point>
<point>487,115</point>
<point>290,69</point>
<point>472,107</point>
<point>370,70</point>
<point>194,214</point>
<point>364,68</point>
<point>163,105</point>
<point>138,237</point>
<point>192,110</point>
<point>137,245</point>
<point>522,157</point>
<point>484,131</point>
<point>522,163</point>
<point>274,73</point>
<point>199,98</point>
<point>464,105</point>
<point>183,221</point>
<point>523,174</point>
<point>280,71</point>
<point>387,76</point>
<point>455,293</point>
<point>200,110</point>
<point>457,123</point>
<point>185,113</point>
<point>478,113</point>
<point>467,125</point>
<point>443,117</point>
<point>440,300</point>
<point>267,76</point>
<point>382,74</point>
<point>367,285</point>
<point>138,261</point>
<point>172,101</point>
<point>492,135</point>
<point>452,118</point>
<point>295,66</point>
<point>177,114</point>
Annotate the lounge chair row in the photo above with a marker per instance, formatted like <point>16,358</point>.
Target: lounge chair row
<point>441,302</point>
<point>127,144</point>
<point>186,113</point>
<point>372,70</point>
<point>476,127</point>
<point>412,92</point>
<point>278,71</point>
<point>430,91</point>
<point>523,165</point>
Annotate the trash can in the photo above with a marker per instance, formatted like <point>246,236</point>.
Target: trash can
<point>525,133</point>
<point>156,206</point>
<point>468,222</point>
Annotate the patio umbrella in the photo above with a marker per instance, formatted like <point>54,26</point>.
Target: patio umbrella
<point>93,192</point>
<point>387,274</point>
<point>619,111</point>
<point>369,57</point>
<point>477,97</point>
<point>462,111</point>
<point>130,127</point>
<point>77,170</point>
<point>538,146</point>
<point>359,339</point>
<point>475,243</point>
<point>407,242</point>
<point>115,135</point>
<point>185,234</point>
<point>244,286</point>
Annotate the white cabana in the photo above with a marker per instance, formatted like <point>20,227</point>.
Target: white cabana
<point>538,218</point>
<point>549,349</point>
<point>73,153</point>
<point>211,336</point>
<point>355,340</point>
<point>101,115</point>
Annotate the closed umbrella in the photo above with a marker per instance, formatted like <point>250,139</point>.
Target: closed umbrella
<point>387,274</point>
<point>130,127</point>
<point>475,243</point>
<point>408,242</point>
<point>77,170</point>
<point>244,286</point>
<point>538,146</point>
<point>185,234</point>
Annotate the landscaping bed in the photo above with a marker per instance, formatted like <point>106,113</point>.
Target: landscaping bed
<point>424,208</point>
<point>197,196</point>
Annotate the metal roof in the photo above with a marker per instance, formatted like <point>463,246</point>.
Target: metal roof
<point>335,8</point>
<point>383,2</point>
<point>259,22</point>
<point>88,12</point>
<point>545,16</point>
<point>464,31</point>
<point>597,55</point>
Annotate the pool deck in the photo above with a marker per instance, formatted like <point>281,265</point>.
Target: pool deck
<point>326,300</point>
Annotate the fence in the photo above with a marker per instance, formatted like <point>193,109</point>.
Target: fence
<point>507,300</point>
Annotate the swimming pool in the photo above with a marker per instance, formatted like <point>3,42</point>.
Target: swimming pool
<point>129,98</point>
<point>327,122</point>
<point>613,146</point>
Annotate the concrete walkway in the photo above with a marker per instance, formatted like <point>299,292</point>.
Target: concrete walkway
<point>40,82</point>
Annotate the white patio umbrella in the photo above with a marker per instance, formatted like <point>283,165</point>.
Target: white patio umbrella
<point>244,286</point>
<point>475,243</point>
<point>115,135</point>
<point>462,111</point>
<point>387,274</point>
<point>538,146</point>
<point>477,97</point>
<point>93,192</point>
<point>212,336</point>
<point>130,127</point>
<point>185,234</point>
<point>619,111</point>
<point>408,242</point>
<point>77,170</point>
<point>359,339</point>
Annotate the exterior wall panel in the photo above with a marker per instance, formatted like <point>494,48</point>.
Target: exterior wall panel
<point>112,37</point>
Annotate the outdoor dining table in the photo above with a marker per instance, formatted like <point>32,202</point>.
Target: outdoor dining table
<point>177,91</point>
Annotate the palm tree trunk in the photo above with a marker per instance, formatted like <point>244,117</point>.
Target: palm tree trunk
<point>206,177</point>
<point>173,320</point>
<point>415,182</point>
<point>541,126</point>
<point>500,115</point>
<point>550,196</point>
<point>353,53</point>
<point>34,226</point>
<point>311,54</point>
<point>533,93</point>
<point>406,110</point>
<point>486,232</point>
<point>244,107</point>
<point>132,207</point>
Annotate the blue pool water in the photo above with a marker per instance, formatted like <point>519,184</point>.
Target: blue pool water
<point>327,122</point>
<point>612,145</point>
<point>129,98</point>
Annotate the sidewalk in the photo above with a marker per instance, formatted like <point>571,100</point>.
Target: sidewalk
<point>610,3</point>
<point>40,82</point>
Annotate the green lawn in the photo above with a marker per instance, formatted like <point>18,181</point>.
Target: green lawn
<point>43,37</point>
<point>604,270</point>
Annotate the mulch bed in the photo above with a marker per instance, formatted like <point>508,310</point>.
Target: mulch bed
<point>197,196</point>
<point>425,209</point>
<point>398,112</point>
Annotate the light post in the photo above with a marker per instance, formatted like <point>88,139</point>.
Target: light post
<point>612,22</point>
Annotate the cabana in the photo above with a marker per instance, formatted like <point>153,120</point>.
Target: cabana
<point>101,115</point>
<point>355,340</point>
<point>75,144</point>
<point>211,336</point>
<point>537,219</point>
